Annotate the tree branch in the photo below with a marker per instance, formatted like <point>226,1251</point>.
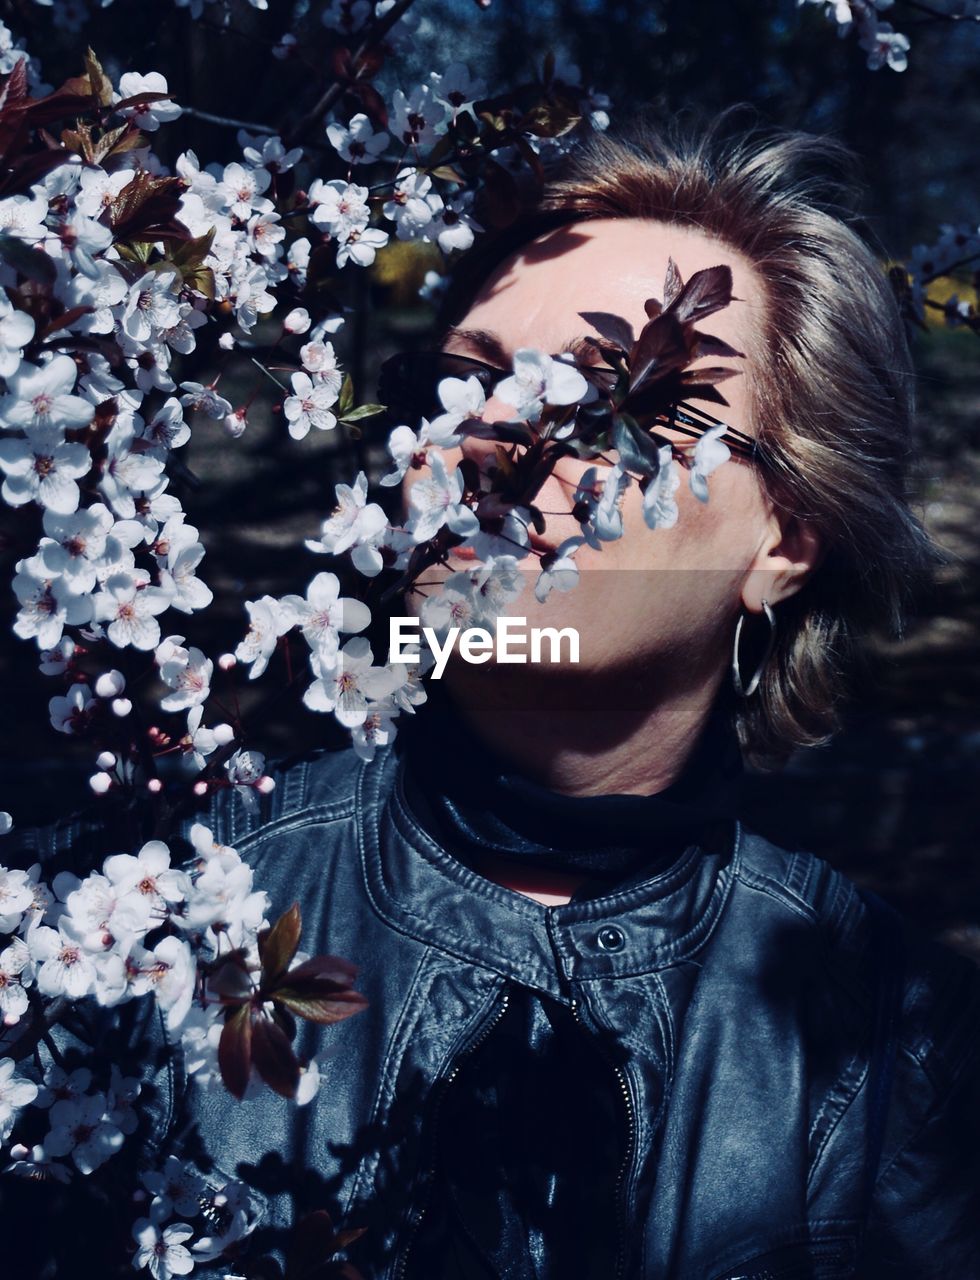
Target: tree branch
<point>336,90</point>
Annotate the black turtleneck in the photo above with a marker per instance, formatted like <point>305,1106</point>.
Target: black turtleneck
<point>474,803</point>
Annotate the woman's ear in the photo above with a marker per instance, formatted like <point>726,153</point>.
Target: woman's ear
<point>788,557</point>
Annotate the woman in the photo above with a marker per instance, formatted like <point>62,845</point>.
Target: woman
<point>611,1033</point>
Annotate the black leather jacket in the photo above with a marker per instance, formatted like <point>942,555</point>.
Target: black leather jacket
<point>725,1022</point>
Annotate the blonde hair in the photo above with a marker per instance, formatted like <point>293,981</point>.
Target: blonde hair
<point>833,379</point>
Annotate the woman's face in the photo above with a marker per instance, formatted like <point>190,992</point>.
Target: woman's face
<point>652,597</point>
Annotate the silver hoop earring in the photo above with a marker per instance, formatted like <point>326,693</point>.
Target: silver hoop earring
<point>746,690</point>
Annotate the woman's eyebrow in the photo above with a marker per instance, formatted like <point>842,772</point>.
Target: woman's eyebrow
<point>491,347</point>
<point>483,341</point>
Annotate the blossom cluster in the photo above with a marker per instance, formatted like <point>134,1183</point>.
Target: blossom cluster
<point>958,247</point>
<point>884,46</point>
<point>141,926</point>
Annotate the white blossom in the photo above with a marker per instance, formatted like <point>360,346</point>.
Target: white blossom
<point>75,546</point>
<point>345,686</point>
<point>357,143</point>
<point>47,606</point>
<point>324,613</point>
<point>80,1128</point>
<point>16,331</point>
<point>16,896</point>
<point>130,606</point>
<point>177,1187</point>
<point>269,619</point>
<point>150,115</point>
<point>355,525</point>
<point>186,672</point>
<point>70,712</point>
<point>44,468</point>
<point>151,305</point>
<point>659,504</point>
<point>309,406</point>
<point>408,206</point>
<point>169,971</point>
<point>539,380</point>
<point>205,400</point>
<point>16,973</point>
<point>15,1093</point>
<point>709,453</point>
<point>562,571</point>
<point>417,118</point>
<point>436,500</point>
<point>64,966</point>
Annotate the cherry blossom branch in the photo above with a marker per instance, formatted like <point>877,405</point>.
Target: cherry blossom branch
<point>338,88</point>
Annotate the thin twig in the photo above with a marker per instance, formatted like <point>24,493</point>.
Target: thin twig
<point>229,123</point>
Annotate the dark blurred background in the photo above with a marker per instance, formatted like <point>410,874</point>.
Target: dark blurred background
<point>895,799</point>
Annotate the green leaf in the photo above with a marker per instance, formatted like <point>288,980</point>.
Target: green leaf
<point>346,402</point>
<point>137,251</point>
<point>364,411</point>
<point>447,173</point>
<point>191,253</point>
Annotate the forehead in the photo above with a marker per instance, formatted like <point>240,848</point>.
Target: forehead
<point>535,296</point>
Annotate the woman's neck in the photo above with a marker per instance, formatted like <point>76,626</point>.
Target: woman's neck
<point>586,737</point>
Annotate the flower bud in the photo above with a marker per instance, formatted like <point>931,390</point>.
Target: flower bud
<point>105,760</point>
<point>226,342</point>
<point>154,786</point>
<point>100,783</point>
<point>298,320</point>
<point>236,423</point>
<point>265,784</point>
<point>227,661</point>
<point>200,787</point>
<point>110,684</point>
<point>121,707</point>
<point>223,734</point>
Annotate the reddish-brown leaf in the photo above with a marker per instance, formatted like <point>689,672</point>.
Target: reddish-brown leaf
<point>673,284</point>
<point>14,85</point>
<point>323,969</point>
<point>324,1007</point>
<point>707,291</point>
<point>277,945</point>
<point>273,1056</point>
<point>97,78</point>
<point>235,1051</point>
<point>613,328</point>
<point>313,1242</point>
<point>660,348</point>
<point>63,321</point>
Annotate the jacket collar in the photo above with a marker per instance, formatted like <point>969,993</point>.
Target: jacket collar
<point>422,891</point>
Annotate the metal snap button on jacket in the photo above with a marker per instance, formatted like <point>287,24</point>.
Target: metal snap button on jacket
<point>611,938</point>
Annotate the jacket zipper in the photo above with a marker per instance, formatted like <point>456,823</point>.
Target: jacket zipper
<point>619,1189</point>
<point>442,1085</point>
